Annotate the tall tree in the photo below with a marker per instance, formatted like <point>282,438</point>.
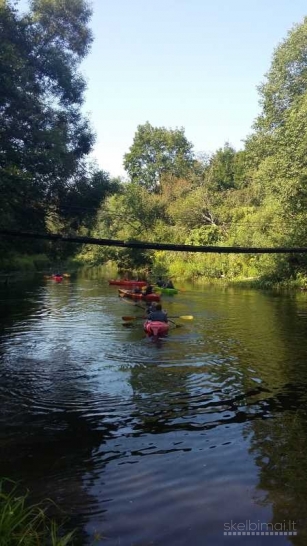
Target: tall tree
<point>286,79</point>
<point>221,172</point>
<point>157,151</point>
<point>43,135</point>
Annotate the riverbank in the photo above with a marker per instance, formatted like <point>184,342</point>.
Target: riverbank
<point>27,524</point>
<point>16,267</point>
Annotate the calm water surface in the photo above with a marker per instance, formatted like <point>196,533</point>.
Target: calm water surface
<point>157,444</point>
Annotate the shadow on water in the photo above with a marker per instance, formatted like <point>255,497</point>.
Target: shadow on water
<point>145,443</point>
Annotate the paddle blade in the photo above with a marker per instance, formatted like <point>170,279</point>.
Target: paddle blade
<point>184,317</point>
<point>174,325</point>
<point>129,318</point>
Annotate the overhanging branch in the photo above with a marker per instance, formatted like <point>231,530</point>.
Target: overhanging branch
<point>153,246</point>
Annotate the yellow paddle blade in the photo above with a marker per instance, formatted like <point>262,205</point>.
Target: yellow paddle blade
<point>132,318</point>
<point>184,317</point>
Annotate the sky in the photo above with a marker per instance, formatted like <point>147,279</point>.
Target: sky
<point>180,63</point>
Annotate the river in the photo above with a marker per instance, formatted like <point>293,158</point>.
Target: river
<point>172,443</point>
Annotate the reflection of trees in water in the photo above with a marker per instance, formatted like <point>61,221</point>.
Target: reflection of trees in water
<point>14,305</point>
<point>276,417</point>
<point>279,447</point>
<point>167,400</point>
<point>48,436</point>
<point>51,450</point>
<point>159,394</point>
<point>277,428</point>
<point>274,410</point>
<point>280,443</point>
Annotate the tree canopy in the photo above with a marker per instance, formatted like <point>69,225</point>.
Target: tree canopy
<point>286,80</point>
<point>252,197</point>
<point>44,138</point>
<point>157,151</point>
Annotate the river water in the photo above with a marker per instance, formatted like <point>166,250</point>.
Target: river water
<point>168,443</point>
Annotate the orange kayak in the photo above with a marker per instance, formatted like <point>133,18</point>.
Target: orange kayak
<point>132,296</point>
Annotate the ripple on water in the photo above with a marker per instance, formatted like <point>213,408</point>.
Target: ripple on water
<point>153,442</point>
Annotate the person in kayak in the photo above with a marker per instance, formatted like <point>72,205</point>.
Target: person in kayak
<point>158,315</point>
<point>151,307</point>
<point>169,284</point>
<point>148,290</point>
<point>160,282</point>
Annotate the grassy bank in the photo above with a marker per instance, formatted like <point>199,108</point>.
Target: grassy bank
<point>14,265</point>
<point>26,263</point>
<point>24,524</point>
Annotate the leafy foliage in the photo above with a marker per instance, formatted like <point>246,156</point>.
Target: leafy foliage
<point>155,152</point>
<point>44,138</point>
<point>252,197</point>
<point>286,80</point>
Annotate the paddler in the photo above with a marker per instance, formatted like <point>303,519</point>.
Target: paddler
<point>158,315</point>
<point>148,290</point>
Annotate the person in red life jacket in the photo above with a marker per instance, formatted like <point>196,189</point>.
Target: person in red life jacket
<point>158,315</point>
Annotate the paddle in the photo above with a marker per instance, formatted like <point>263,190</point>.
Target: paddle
<point>133,303</point>
<point>140,306</point>
<point>173,322</point>
<point>184,317</point>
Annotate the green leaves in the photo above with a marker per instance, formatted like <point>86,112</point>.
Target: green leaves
<point>286,79</point>
<point>44,138</point>
<point>156,152</point>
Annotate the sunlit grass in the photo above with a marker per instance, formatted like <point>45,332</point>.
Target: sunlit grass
<point>23,524</point>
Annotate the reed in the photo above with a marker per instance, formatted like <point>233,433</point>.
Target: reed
<point>24,524</point>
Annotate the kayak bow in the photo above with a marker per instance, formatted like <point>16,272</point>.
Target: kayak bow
<point>168,291</point>
<point>156,328</point>
<point>127,294</point>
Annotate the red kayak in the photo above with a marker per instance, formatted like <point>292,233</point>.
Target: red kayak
<point>57,278</point>
<point>156,328</point>
<point>129,283</point>
<point>132,296</point>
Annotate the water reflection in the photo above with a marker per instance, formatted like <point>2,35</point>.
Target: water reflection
<point>156,444</point>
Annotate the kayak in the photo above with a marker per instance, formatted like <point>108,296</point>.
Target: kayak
<point>168,291</point>
<point>127,283</point>
<point>156,328</point>
<point>132,296</point>
<point>57,278</point>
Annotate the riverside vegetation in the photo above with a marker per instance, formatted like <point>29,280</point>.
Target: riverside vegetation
<point>254,197</point>
<point>24,524</point>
